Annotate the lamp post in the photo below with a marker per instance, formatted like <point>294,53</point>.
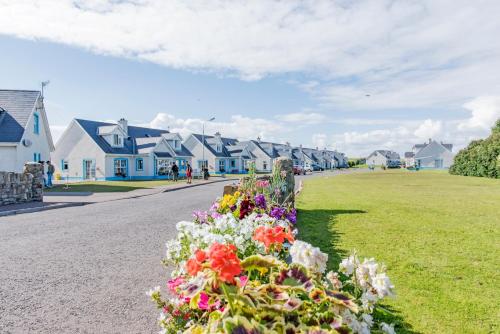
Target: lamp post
<point>203,143</point>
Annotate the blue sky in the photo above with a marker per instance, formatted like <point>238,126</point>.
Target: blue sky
<point>354,76</point>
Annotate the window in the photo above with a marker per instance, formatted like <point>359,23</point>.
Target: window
<point>222,166</point>
<point>36,124</point>
<point>202,164</point>
<point>218,148</point>
<point>121,167</point>
<point>264,165</point>
<point>117,140</point>
<point>139,164</point>
<point>163,167</point>
<point>64,165</point>
<point>233,163</point>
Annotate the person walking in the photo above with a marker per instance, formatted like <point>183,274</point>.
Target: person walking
<point>50,174</point>
<point>175,171</point>
<point>189,173</point>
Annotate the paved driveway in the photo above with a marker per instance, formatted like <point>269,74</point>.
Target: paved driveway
<point>86,269</point>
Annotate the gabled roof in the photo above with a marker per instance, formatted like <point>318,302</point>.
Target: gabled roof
<point>18,106</point>
<point>134,132</point>
<point>388,154</point>
<point>420,147</point>
<point>211,140</point>
<point>409,154</point>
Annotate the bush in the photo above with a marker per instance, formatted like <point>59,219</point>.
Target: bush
<point>480,158</point>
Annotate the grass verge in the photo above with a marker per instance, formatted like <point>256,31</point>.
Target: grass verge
<point>438,234</point>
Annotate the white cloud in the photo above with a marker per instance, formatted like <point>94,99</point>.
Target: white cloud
<point>319,140</point>
<point>303,117</point>
<point>428,129</point>
<point>485,111</point>
<point>402,53</point>
<point>237,126</point>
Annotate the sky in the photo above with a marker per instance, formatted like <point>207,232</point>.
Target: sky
<point>348,75</point>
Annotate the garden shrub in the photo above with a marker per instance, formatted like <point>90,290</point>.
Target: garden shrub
<point>480,158</point>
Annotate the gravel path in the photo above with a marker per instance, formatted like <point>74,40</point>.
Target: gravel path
<point>86,269</point>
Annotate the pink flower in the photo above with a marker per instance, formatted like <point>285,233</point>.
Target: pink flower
<point>203,302</point>
<point>243,280</point>
<point>174,283</point>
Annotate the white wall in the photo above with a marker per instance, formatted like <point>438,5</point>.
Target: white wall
<point>74,146</point>
<point>8,159</point>
<point>377,160</point>
<point>193,145</point>
<point>39,144</point>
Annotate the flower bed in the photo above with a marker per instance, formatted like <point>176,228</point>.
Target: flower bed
<point>238,268</point>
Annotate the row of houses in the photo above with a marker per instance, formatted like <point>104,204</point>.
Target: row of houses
<point>432,154</point>
<point>93,150</point>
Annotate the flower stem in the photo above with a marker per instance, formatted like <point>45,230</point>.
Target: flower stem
<point>229,299</point>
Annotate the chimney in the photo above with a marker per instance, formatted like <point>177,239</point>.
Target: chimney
<point>258,139</point>
<point>217,135</point>
<point>430,140</point>
<point>123,123</point>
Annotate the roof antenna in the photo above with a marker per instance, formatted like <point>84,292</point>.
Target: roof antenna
<point>44,83</point>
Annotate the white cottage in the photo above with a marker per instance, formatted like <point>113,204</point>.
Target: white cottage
<point>24,129</point>
<point>433,155</point>
<point>90,150</point>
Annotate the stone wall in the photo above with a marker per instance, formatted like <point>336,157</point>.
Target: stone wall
<point>284,166</point>
<point>22,187</point>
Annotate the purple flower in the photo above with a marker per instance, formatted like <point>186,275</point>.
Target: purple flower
<point>292,216</point>
<point>200,216</point>
<point>277,212</point>
<point>260,201</point>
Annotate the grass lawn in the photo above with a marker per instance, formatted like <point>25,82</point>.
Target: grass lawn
<point>108,186</point>
<point>438,234</point>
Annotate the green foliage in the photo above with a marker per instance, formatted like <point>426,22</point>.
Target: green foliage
<point>480,158</point>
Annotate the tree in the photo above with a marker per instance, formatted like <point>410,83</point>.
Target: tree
<point>481,157</point>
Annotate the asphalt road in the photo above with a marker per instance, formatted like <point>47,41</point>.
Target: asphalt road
<point>86,269</point>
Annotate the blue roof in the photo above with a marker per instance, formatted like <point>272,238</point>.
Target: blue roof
<point>128,144</point>
<point>17,106</point>
<point>225,142</point>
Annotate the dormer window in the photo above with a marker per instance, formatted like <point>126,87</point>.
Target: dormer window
<point>117,141</point>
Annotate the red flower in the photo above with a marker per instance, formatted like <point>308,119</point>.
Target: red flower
<point>270,236</point>
<point>246,207</point>
<point>224,261</point>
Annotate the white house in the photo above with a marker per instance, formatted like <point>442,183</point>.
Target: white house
<point>24,129</point>
<point>384,158</point>
<point>90,150</point>
<point>433,155</point>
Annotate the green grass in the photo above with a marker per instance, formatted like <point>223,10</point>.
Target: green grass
<point>438,234</point>
<point>108,186</point>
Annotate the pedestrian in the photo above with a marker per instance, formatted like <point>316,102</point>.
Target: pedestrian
<point>43,173</point>
<point>175,171</point>
<point>189,173</point>
<point>50,174</point>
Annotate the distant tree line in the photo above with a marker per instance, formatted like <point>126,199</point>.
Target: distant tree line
<point>480,158</point>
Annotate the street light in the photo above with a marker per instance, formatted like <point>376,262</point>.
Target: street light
<point>203,143</point>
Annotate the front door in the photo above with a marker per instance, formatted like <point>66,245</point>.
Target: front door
<point>88,169</point>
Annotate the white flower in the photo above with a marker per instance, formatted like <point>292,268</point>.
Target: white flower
<point>310,257</point>
<point>348,265</point>
<point>153,291</point>
<point>388,329</point>
<point>383,285</point>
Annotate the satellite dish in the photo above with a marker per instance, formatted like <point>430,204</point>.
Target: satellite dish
<point>27,142</point>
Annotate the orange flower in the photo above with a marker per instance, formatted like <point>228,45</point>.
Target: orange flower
<point>270,236</point>
<point>194,265</point>
<point>224,261</point>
